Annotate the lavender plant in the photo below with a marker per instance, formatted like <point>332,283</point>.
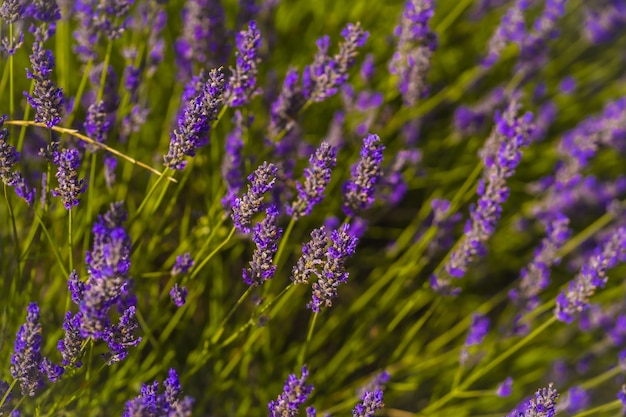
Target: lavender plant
<point>241,208</point>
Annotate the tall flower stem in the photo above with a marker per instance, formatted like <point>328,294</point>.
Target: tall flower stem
<point>220,329</point>
<point>309,337</point>
<point>201,265</point>
<point>14,277</point>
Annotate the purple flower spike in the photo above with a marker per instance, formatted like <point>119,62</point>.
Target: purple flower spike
<point>195,123</point>
<point>370,403</point>
<point>178,295</point>
<point>152,403</point>
<point>312,256</point>
<point>242,83</point>
<point>478,330</point>
<point>501,155</point>
<point>542,405</point>
<point>512,28</point>
<point>26,359</point>
<point>294,395</point>
<point>593,275</point>
<point>287,105</point>
<point>266,237</point>
<point>323,78</point>
<point>8,158</point>
<point>70,186</point>
<point>47,99</point>
<point>261,181</point>
<point>182,265</point>
<point>317,176</point>
<point>359,191</point>
<point>505,388</point>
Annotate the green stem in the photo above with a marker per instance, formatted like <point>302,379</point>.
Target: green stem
<point>201,265</point>
<point>220,330</point>
<point>105,69</point>
<point>8,392</point>
<point>613,405</point>
<point>79,94</point>
<point>17,242</point>
<point>70,238</point>
<point>309,336</point>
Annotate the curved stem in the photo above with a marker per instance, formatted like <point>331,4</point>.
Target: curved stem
<point>309,336</point>
<point>201,265</point>
<point>220,330</point>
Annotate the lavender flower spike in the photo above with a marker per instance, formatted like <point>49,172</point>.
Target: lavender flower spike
<point>8,158</point>
<point>359,191</point>
<point>70,186</point>
<point>317,176</point>
<point>542,405</point>
<point>47,99</point>
<point>179,295</point>
<point>26,359</point>
<point>370,403</point>
<point>261,181</point>
<point>591,277</point>
<point>295,393</point>
<point>151,402</point>
<point>511,29</point>
<point>266,237</point>
<point>195,123</point>
<point>501,155</point>
<point>242,83</point>
<point>342,246</point>
<point>312,256</point>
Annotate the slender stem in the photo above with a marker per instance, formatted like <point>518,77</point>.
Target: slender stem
<point>283,241</point>
<point>220,330</point>
<point>87,139</point>
<point>309,336</point>
<point>7,393</point>
<point>70,238</point>
<point>201,265</point>
<point>613,405</point>
<point>79,93</point>
<point>17,242</point>
<point>105,70</point>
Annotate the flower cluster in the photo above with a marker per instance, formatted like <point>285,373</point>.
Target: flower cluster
<point>168,403</point>
<point>245,207</point>
<point>266,237</point>
<point>70,186</point>
<point>359,191</point>
<point>242,83</point>
<point>328,253</point>
<point>8,158</point>
<point>294,395</point>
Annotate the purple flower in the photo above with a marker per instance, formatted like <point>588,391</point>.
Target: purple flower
<point>542,405</point>
<point>266,237</point>
<point>205,39</point>
<point>12,11</point>
<point>26,359</point>
<point>8,158</point>
<point>512,28</point>
<point>505,388</point>
<point>70,186</point>
<point>567,85</point>
<point>341,247</point>
<point>317,176</point>
<point>261,181</point>
<point>603,24</point>
<point>312,257</point>
<point>120,337</point>
<point>501,155</point>
<point>233,161</point>
<point>287,105</point>
<point>152,403</point>
<point>621,395</point>
<point>576,399</point>
<point>370,403</point>
<point>359,191</point>
<point>195,124</point>
<point>593,275</point>
<point>323,78</point>
<point>71,344</point>
<point>416,43</point>
<point>182,265</point>
<point>393,182</point>
<point>44,10</point>
<point>536,276</point>
<point>478,330</point>
<point>97,124</point>
<point>47,99</point>
<point>178,295</point>
<point>295,393</point>
<point>242,83</point>
<point>470,120</point>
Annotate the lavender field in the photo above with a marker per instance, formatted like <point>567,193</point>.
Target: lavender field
<point>286,208</point>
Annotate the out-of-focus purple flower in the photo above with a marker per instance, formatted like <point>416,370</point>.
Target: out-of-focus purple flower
<point>376,383</point>
<point>470,120</point>
<point>8,158</point>
<point>294,395</point>
<point>261,181</point>
<point>575,400</point>
<point>287,105</point>
<point>621,395</point>
<point>323,78</point>
<point>266,236</point>
<point>44,10</point>
<point>567,85</point>
<point>178,295</point>
<point>536,276</point>
<point>478,330</point>
<point>233,161</point>
<point>70,186</point>
<point>501,154</point>
<point>416,44</point>
<point>505,388</point>
<point>545,117</point>
<point>367,68</point>
<point>152,403</point>
<point>205,38</point>
<point>11,11</point>
<point>512,28</point>
<point>195,124</point>
<point>359,191</point>
<point>70,345</point>
<point>182,265</point>
<point>47,99</point>
<point>4,387</point>
<point>543,404</point>
<point>593,275</point>
<point>341,247</point>
<point>370,403</point>
<point>393,184</point>
<point>317,176</point>
<point>603,24</point>
<point>26,358</point>
<point>242,83</point>
<point>97,124</point>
